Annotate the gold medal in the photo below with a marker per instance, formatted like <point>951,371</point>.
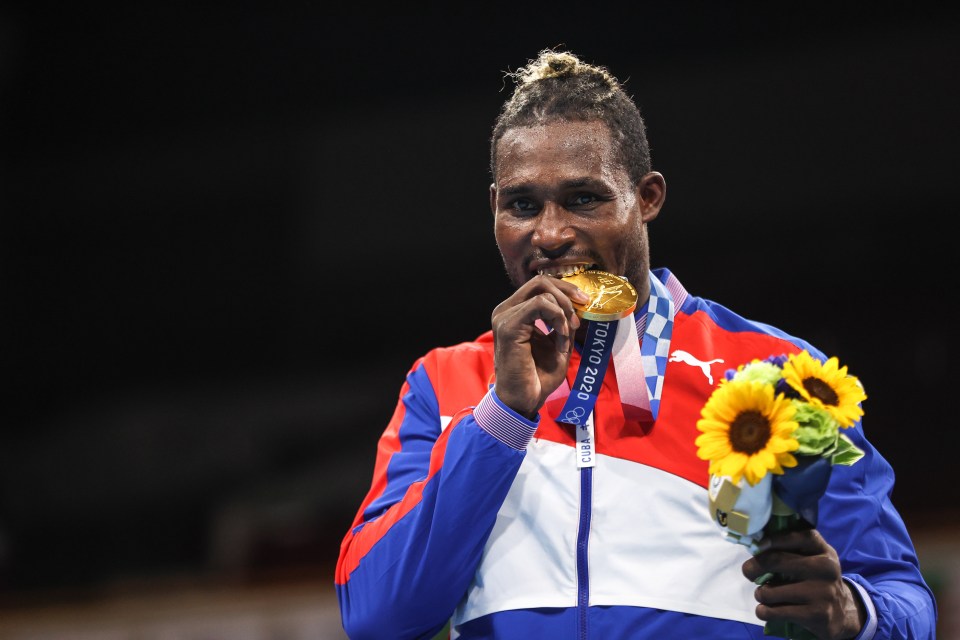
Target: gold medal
<point>611,297</point>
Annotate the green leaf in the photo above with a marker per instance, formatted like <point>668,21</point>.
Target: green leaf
<point>847,453</point>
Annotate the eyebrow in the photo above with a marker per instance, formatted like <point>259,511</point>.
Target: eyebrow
<point>577,183</point>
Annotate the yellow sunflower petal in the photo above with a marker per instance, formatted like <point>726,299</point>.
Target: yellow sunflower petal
<point>708,425</point>
<point>733,465</point>
<point>802,367</point>
<point>765,458</point>
<point>745,413</point>
<point>755,470</point>
<point>711,448</point>
<point>787,460</point>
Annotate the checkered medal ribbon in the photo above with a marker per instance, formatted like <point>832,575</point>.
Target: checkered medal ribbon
<point>655,346</point>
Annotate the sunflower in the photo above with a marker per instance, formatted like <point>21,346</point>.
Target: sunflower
<point>826,386</point>
<point>747,431</point>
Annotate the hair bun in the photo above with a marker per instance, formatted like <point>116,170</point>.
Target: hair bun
<point>548,64</point>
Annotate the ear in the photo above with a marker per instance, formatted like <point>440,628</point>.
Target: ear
<point>651,192</point>
<point>493,198</point>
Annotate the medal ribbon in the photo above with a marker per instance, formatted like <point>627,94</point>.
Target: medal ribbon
<point>628,369</point>
<point>656,340</point>
<point>649,361</point>
<point>594,359</point>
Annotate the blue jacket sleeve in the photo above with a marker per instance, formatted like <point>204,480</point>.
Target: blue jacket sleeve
<point>858,519</point>
<point>419,535</point>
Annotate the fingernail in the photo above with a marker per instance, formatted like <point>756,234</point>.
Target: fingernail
<point>580,296</point>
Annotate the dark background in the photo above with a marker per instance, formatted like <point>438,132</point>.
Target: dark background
<point>219,227</point>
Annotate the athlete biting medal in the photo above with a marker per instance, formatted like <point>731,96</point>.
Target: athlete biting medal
<point>611,297</point>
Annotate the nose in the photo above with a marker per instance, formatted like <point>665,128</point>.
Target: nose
<point>553,233</point>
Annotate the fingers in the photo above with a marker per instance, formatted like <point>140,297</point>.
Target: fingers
<point>829,610</point>
<point>564,291</point>
<point>798,570</point>
<point>791,567</point>
<point>528,363</point>
<point>781,595</point>
<point>806,542</point>
<point>807,586</point>
<point>799,555</point>
<point>542,298</point>
<point>516,324</point>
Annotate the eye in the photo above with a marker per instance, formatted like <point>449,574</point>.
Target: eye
<point>524,207</point>
<point>585,201</point>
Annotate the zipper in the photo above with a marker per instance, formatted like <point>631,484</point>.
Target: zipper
<point>583,538</point>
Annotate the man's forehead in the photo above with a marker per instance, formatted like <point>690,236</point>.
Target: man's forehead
<point>562,153</point>
<point>557,136</point>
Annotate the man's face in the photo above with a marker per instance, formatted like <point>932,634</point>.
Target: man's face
<point>562,202</point>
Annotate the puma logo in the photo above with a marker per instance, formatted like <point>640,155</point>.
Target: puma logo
<point>684,357</point>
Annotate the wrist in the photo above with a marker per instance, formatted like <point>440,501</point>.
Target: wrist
<point>855,611</point>
<point>503,423</point>
<point>516,405</point>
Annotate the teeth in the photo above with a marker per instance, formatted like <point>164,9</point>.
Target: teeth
<point>565,271</point>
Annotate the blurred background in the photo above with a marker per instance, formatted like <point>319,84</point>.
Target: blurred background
<point>216,222</point>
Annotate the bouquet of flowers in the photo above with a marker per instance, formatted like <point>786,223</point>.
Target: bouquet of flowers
<point>771,431</point>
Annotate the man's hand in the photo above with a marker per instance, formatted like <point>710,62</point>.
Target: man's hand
<point>809,589</point>
<point>529,363</point>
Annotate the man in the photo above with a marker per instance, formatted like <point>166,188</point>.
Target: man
<point>519,492</point>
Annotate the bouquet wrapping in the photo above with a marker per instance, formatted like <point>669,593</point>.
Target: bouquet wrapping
<point>771,431</point>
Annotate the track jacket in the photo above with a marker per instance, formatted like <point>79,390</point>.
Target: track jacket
<point>479,518</point>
